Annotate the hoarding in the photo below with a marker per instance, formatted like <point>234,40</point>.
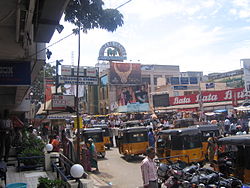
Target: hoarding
<point>125,73</point>
<point>61,102</point>
<point>82,80</point>
<point>68,70</point>
<point>209,96</point>
<point>132,94</point>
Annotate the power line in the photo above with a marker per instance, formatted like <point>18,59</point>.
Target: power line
<point>52,44</point>
<point>123,4</point>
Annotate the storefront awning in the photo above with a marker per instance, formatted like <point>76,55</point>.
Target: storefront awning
<point>187,106</point>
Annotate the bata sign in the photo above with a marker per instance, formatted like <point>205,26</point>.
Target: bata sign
<point>209,96</point>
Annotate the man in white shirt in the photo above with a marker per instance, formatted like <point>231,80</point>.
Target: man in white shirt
<point>149,169</point>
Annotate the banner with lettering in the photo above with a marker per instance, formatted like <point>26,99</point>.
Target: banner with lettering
<point>210,96</point>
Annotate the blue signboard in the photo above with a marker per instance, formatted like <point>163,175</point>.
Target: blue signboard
<point>193,80</point>
<point>104,80</point>
<point>174,80</point>
<point>184,80</point>
<point>15,73</point>
<point>180,87</point>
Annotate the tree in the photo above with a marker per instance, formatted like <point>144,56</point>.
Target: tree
<point>89,14</point>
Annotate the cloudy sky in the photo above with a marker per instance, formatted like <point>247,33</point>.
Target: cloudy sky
<point>198,35</point>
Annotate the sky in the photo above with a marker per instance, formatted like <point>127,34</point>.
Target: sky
<point>198,35</point>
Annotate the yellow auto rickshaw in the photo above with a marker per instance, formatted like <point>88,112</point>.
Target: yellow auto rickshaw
<point>182,144</point>
<point>205,133</point>
<point>97,135</point>
<point>132,141</point>
<point>233,157</point>
<point>106,134</point>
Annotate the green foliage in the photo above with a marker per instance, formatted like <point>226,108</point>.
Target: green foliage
<point>32,143</point>
<point>30,152</point>
<point>89,14</point>
<point>47,183</point>
<point>31,146</point>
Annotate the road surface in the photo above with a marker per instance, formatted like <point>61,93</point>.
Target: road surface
<point>118,172</point>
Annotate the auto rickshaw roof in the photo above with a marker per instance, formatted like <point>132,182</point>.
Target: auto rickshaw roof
<point>134,129</point>
<point>88,130</point>
<point>184,119</point>
<point>132,122</point>
<point>181,131</point>
<point>235,140</point>
<point>100,126</point>
<point>208,127</point>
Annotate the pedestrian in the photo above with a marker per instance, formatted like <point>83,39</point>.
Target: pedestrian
<point>6,129</point>
<point>149,169</point>
<point>232,129</point>
<point>151,138</point>
<point>55,142</point>
<point>86,158</point>
<point>93,154</point>
<point>227,125</point>
<point>211,149</point>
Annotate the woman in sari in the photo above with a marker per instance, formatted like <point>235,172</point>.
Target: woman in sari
<point>93,154</point>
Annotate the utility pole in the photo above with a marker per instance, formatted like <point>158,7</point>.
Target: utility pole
<point>77,100</point>
<point>200,102</point>
<point>58,62</point>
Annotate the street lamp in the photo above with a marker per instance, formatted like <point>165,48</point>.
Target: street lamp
<point>77,171</point>
<point>49,148</point>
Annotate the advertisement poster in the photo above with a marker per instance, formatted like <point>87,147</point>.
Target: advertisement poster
<point>132,94</point>
<point>125,73</point>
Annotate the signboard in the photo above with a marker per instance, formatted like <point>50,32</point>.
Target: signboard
<point>125,73</point>
<point>82,80</point>
<point>112,51</point>
<point>60,102</point>
<point>80,122</point>
<point>67,70</point>
<point>180,87</point>
<point>15,73</point>
<point>161,100</point>
<point>209,96</point>
<point>210,85</point>
<point>91,72</point>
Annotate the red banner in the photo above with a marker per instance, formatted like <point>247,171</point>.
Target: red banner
<point>48,92</point>
<point>210,96</point>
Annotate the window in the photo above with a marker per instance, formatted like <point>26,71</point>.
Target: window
<point>145,80</point>
<point>174,80</point>
<point>137,137</point>
<point>193,80</point>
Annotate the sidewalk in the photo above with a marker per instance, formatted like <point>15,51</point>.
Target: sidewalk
<point>31,177</point>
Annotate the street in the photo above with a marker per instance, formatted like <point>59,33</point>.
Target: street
<point>118,172</point>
